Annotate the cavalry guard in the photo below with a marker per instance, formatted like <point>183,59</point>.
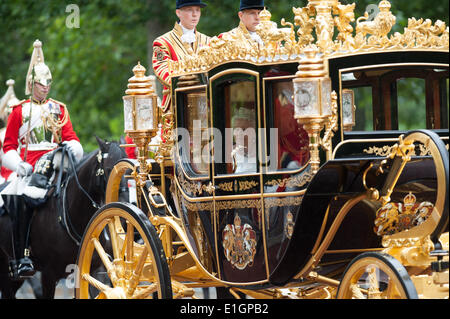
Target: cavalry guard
<point>35,128</point>
<point>6,103</point>
<point>183,40</point>
<point>249,11</point>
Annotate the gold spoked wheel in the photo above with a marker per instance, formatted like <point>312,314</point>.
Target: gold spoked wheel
<point>121,257</point>
<point>376,276</point>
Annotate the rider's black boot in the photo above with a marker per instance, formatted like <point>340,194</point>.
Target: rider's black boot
<point>22,266</point>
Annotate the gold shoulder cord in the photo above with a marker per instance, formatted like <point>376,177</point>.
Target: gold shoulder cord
<point>55,125</point>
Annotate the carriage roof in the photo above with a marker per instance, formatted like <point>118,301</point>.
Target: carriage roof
<point>285,45</point>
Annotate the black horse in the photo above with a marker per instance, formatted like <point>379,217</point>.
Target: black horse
<point>55,236</point>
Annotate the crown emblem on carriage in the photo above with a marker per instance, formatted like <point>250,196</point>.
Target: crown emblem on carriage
<point>409,200</point>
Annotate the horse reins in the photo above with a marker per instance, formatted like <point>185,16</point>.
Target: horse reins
<point>64,217</point>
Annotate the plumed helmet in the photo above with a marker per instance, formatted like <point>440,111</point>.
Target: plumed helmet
<point>38,71</point>
<point>8,100</point>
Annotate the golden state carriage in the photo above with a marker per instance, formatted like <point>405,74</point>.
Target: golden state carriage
<point>285,171</point>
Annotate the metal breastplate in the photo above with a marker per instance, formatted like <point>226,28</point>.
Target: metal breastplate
<point>43,133</point>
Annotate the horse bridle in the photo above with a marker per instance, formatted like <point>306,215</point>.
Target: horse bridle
<point>101,171</point>
<point>65,217</point>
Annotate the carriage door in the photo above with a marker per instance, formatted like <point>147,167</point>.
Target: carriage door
<point>235,109</point>
<point>193,191</point>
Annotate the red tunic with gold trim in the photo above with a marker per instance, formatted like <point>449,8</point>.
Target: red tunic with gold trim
<point>40,139</point>
<point>170,47</point>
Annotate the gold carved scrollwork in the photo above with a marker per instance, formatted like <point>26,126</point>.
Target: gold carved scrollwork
<point>226,186</point>
<point>246,185</point>
<point>293,181</point>
<point>194,188</point>
<point>237,186</point>
<point>282,201</point>
<point>386,150</point>
<point>379,151</point>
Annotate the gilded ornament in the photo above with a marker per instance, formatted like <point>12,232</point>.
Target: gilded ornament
<point>289,225</point>
<point>324,19</point>
<point>306,25</point>
<point>342,21</point>
<point>298,180</point>
<point>246,185</point>
<point>379,27</point>
<point>379,151</point>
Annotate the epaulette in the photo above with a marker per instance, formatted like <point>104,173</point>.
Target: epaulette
<point>57,102</point>
<point>19,104</point>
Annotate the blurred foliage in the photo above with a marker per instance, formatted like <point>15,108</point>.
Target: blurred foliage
<point>91,64</point>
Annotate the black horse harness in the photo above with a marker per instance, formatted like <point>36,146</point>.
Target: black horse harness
<point>61,191</point>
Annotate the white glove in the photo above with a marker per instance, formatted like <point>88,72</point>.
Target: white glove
<point>75,148</point>
<point>24,169</point>
<point>11,160</point>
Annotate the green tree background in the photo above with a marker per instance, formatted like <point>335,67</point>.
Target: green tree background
<point>91,64</point>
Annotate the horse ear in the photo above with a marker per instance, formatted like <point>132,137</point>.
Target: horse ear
<point>100,143</point>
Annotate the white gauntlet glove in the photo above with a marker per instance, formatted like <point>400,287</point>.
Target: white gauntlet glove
<point>12,161</point>
<point>75,148</point>
<point>24,169</point>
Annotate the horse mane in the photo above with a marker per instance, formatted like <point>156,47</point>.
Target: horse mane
<point>93,153</point>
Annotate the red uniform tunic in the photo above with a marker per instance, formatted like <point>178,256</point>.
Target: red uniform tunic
<point>12,141</point>
<point>170,47</point>
<point>131,151</point>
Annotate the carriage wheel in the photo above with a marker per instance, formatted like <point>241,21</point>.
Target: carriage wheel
<point>376,276</point>
<point>135,263</point>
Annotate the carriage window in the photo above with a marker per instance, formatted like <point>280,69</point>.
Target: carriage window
<point>398,98</point>
<point>363,109</point>
<point>293,141</point>
<point>411,96</point>
<point>235,116</point>
<point>241,117</point>
<point>196,123</point>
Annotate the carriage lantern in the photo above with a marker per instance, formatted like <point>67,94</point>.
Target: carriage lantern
<point>312,99</point>
<point>140,113</point>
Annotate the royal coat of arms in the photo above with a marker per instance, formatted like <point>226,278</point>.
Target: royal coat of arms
<point>396,217</point>
<point>239,244</point>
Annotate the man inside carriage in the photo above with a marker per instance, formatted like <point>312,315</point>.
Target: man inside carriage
<point>35,128</point>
